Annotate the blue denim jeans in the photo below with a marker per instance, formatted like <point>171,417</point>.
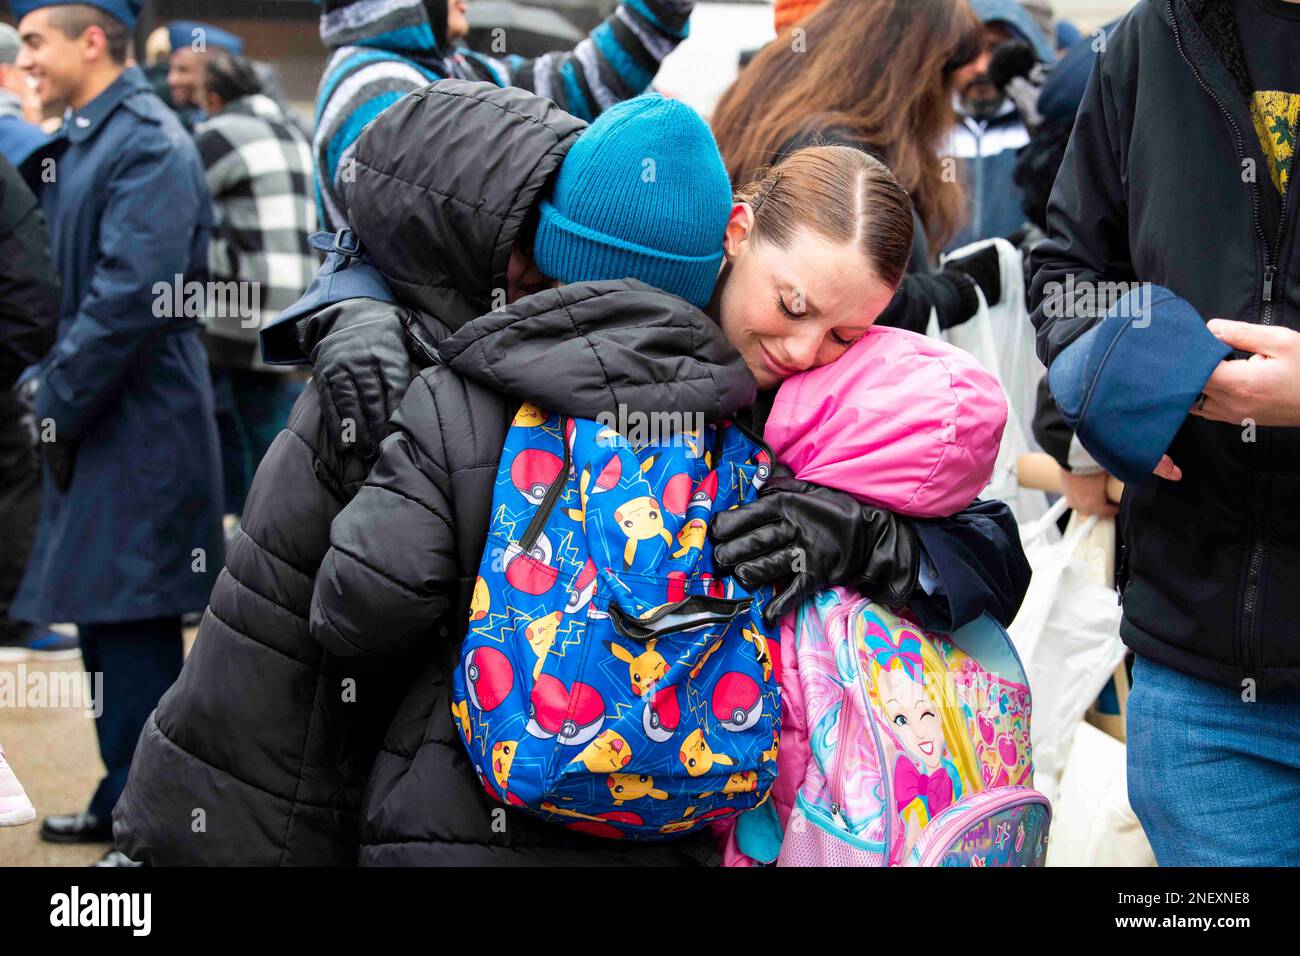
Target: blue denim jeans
<point>1214,780</point>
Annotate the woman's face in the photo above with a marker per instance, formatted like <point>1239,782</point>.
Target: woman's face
<point>789,310</point>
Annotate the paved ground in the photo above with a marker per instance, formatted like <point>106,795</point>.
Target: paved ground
<point>56,757</point>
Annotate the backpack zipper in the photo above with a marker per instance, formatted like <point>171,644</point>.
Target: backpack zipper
<point>840,612</point>
<point>848,611</point>
<point>534,530</point>
<point>848,713</point>
<point>709,611</point>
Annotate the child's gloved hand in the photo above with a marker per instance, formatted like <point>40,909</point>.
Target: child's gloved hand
<point>818,537</point>
<point>362,371</point>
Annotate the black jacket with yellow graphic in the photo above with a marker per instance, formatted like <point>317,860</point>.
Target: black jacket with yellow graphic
<point>1166,181</point>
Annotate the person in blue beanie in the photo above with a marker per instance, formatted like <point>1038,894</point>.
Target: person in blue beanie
<point>443,253</point>
<point>1178,174</point>
<point>596,226</point>
<point>129,535</point>
<point>669,298</point>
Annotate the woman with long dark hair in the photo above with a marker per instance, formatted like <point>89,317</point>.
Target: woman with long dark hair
<point>877,75</point>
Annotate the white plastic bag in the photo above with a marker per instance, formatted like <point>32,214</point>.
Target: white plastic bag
<point>1004,339</point>
<point>1001,338</point>
<point>1092,822</point>
<point>1067,635</point>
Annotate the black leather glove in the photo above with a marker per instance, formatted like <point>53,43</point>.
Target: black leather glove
<point>362,371</point>
<point>982,268</point>
<point>60,456</point>
<point>818,537</point>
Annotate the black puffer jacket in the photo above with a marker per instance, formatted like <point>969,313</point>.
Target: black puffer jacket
<point>266,734</point>
<point>396,585</point>
<point>435,211</point>
<point>263,733</point>
<point>1152,190</point>
<point>29,288</point>
<point>406,551</point>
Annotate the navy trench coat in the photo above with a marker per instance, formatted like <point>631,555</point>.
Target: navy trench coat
<point>137,534</point>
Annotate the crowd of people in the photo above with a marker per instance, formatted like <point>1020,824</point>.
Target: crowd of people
<point>211,407</point>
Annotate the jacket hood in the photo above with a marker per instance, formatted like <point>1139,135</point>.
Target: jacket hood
<point>445,180</point>
<point>402,26</point>
<point>900,421</point>
<point>1020,20</point>
<point>615,347</point>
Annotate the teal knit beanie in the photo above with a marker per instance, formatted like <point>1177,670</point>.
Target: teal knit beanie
<point>643,194</point>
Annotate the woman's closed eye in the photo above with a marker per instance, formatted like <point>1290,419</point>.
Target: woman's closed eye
<point>789,313</point>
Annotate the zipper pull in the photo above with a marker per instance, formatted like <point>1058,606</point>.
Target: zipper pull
<point>1269,272</point>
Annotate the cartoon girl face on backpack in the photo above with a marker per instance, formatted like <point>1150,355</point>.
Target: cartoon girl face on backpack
<point>913,690</point>
<point>910,712</point>
<point>640,519</point>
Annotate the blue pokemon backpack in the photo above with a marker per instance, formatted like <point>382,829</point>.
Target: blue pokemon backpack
<point>609,682</point>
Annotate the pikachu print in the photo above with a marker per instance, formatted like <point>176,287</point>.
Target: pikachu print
<point>612,682</point>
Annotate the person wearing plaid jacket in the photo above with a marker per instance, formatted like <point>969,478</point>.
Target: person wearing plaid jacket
<point>259,169</point>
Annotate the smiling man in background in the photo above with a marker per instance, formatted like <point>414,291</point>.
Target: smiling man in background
<point>129,536</point>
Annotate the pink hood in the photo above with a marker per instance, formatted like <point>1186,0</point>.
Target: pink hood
<point>900,421</point>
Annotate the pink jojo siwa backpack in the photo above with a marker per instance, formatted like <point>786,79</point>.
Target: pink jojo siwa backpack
<point>898,746</point>
<point>912,748</point>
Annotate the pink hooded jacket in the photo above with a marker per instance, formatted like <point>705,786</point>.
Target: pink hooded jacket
<point>900,421</point>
